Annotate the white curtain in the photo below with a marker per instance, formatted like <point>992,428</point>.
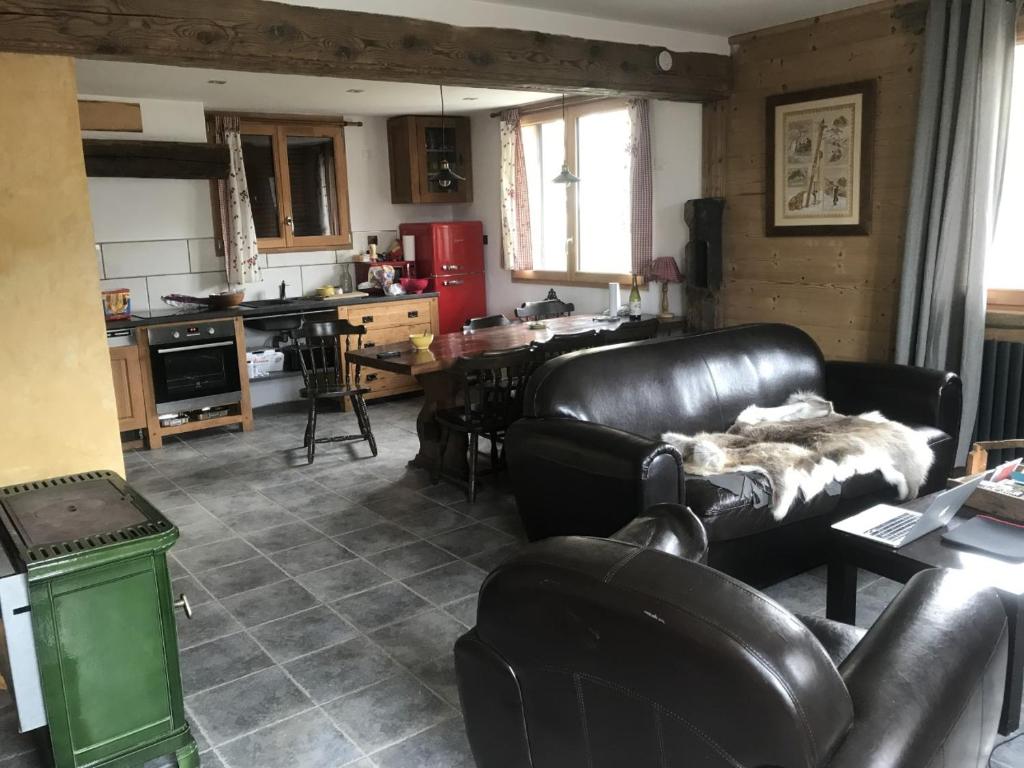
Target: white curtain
<point>641,187</point>
<point>237,228</point>
<point>516,242</point>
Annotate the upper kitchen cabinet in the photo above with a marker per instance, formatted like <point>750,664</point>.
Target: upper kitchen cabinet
<point>298,184</point>
<point>417,146</point>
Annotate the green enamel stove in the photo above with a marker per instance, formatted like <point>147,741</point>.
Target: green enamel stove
<point>90,647</point>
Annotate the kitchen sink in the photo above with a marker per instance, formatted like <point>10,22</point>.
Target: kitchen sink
<point>260,303</point>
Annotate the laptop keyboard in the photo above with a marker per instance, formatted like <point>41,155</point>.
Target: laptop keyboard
<point>894,529</point>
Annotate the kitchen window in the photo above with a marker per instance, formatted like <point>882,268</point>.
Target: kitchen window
<point>580,232</point>
<point>298,184</point>
<point>1004,277</point>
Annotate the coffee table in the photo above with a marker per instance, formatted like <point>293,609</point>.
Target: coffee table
<point>849,553</point>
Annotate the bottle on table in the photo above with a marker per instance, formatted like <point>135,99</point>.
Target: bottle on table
<point>634,301</point>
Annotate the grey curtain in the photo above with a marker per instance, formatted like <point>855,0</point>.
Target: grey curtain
<point>963,119</point>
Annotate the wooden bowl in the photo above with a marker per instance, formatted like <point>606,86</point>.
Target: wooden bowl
<point>226,300</point>
<point>421,340</point>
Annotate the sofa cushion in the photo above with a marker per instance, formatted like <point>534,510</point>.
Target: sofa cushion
<point>737,504</point>
<point>681,384</point>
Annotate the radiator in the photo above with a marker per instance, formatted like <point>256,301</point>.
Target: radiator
<point>1001,407</point>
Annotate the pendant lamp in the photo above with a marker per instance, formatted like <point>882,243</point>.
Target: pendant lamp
<point>566,176</point>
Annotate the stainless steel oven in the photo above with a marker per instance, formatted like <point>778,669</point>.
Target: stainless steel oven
<point>195,365</point>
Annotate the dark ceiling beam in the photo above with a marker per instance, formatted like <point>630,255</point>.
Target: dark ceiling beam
<point>257,36</point>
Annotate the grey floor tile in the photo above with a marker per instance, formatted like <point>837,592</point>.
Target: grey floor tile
<point>312,557</point>
<point>341,669</point>
<point>309,740</point>
<point>258,606</point>
<point>218,554</point>
<point>472,540</point>
<point>210,760</point>
<point>342,580</point>
<point>382,605</point>
<point>430,522</point>
<point>307,499</point>
<point>448,583</point>
<point>396,500</point>
<point>219,489</point>
<point>439,676</point>
<point>346,520</point>
<point>169,502</point>
<point>248,512</point>
<point>192,589</point>
<point>283,537</point>
<point>12,743</point>
<point>803,594</point>
<point>247,704</point>
<point>221,661</point>
<point>203,532</point>
<point>488,561</point>
<point>410,559</point>
<point>388,712</point>
<point>464,610</point>
<point>491,505</point>
<point>420,639</point>
<point>510,524</point>
<point>208,622</point>
<point>240,577</point>
<point>302,633</point>
<point>443,746</point>
<point>376,538</point>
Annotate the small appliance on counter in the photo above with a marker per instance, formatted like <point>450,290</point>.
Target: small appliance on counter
<point>90,647</point>
<point>451,255</point>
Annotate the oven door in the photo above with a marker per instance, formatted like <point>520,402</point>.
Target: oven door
<point>195,374</point>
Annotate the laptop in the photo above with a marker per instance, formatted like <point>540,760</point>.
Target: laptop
<point>894,526</point>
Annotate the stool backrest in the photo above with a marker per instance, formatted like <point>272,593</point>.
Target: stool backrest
<point>493,383</point>
<point>564,343</point>
<point>640,330</point>
<point>488,321</point>
<point>322,353</point>
<point>539,310</point>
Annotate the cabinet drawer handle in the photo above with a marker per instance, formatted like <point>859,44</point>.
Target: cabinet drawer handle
<point>182,602</point>
<point>369,345</point>
<point>367,318</point>
<point>371,377</point>
<point>452,282</point>
<point>414,313</point>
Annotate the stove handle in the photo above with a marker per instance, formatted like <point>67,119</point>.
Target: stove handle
<point>190,347</point>
<point>182,602</point>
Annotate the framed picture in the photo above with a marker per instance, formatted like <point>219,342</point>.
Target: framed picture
<point>818,180</point>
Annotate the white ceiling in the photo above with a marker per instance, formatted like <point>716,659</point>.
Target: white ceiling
<point>722,17</point>
<point>287,94</point>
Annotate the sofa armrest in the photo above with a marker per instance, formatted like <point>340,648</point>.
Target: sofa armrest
<point>927,680</point>
<point>668,528</point>
<point>576,478</point>
<point>903,393</point>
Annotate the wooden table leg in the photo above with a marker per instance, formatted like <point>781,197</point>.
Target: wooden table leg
<point>841,595</point>
<point>1010,719</point>
<point>439,391</point>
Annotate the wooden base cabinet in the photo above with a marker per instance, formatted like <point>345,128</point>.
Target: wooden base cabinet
<point>388,322</point>
<point>126,367</point>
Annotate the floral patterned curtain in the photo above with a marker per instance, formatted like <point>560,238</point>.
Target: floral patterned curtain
<point>516,240</point>
<point>641,187</point>
<point>237,228</point>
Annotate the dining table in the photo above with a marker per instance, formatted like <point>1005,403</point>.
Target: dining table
<point>431,368</point>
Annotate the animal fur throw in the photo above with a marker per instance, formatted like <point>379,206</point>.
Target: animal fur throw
<point>804,447</point>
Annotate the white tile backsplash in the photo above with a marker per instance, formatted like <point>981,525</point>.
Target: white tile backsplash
<point>317,275</point>
<point>126,210</point>
<point>137,285</point>
<point>140,259</point>
<point>301,258</point>
<point>202,256</point>
<point>272,277</point>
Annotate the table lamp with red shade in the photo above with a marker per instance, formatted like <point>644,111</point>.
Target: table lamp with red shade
<point>664,270</point>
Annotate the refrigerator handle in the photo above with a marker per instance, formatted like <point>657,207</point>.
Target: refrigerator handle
<point>446,283</point>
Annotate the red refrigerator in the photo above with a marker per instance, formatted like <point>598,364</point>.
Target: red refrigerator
<point>451,254</point>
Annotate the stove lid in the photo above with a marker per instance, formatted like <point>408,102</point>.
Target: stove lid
<point>67,515</point>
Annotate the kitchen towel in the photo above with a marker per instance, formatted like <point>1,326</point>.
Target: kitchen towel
<point>409,247</point>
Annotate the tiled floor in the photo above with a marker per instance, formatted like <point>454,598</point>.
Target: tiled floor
<point>327,597</point>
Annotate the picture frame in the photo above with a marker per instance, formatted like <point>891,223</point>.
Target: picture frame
<point>818,174</point>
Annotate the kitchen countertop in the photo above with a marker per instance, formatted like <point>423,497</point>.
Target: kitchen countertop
<point>294,307</point>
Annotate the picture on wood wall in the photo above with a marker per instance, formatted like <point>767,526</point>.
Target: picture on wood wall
<point>818,180</point>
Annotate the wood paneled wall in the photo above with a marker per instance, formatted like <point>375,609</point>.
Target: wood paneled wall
<point>841,290</point>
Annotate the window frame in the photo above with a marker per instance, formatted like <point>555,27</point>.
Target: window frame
<point>279,130</point>
<point>572,275</point>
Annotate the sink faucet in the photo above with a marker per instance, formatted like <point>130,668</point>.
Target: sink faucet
<point>281,289</point>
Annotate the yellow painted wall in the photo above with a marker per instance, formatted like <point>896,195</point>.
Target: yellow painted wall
<point>57,411</point>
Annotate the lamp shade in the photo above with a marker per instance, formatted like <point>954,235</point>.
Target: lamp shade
<point>665,270</point>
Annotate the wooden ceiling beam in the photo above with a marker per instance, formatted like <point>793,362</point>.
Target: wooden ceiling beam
<point>258,36</point>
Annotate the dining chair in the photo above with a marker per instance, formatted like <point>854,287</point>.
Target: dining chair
<point>541,310</point>
<point>488,321</point>
<point>564,343</point>
<point>325,376</point>
<point>491,385</point>
<point>638,330</point>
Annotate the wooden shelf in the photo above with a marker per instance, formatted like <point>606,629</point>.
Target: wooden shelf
<point>192,426</point>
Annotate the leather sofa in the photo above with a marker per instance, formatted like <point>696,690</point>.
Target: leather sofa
<point>587,457</point>
<point>597,653</point>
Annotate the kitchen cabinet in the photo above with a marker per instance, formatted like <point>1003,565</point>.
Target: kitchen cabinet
<point>416,147</point>
<point>387,322</point>
<point>126,368</point>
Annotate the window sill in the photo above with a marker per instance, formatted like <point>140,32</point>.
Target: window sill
<point>581,280</point>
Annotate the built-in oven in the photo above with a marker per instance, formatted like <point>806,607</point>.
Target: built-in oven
<point>195,365</point>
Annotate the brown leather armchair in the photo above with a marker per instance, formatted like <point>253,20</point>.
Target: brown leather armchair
<point>603,653</point>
